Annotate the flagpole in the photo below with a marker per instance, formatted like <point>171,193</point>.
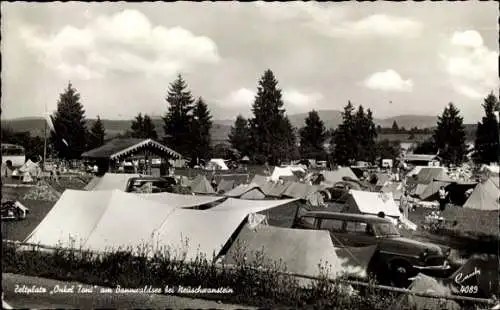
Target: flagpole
<point>45,140</point>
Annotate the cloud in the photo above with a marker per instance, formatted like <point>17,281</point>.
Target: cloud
<point>246,97</point>
<point>333,21</point>
<point>388,80</point>
<point>123,42</point>
<point>471,66</point>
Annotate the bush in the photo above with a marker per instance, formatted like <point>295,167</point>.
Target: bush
<point>259,283</point>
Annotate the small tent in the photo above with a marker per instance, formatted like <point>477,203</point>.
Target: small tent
<point>333,176</point>
<point>202,186</point>
<point>225,186</point>
<point>251,192</point>
<point>486,196</point>
<point>217,164</point>
<point>259,179</point>
<point>29,171</point>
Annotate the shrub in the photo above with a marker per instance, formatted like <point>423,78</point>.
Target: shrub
<point>260,283</point>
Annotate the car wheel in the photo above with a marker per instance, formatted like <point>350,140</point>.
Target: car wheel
<point>400,273</point>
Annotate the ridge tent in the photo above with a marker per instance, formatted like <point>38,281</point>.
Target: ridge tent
<point>333,176</point>
<point>371,203</point>
<point>299,251</point>
<point>486,196</point>
<point>246,191</point>
<point>216,164</point>
<point>225,186</point>
<point>259,179</point>
<point>201,186</point>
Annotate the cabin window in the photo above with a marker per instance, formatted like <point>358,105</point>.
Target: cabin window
<point>356,227</point>
<point>331,225</point>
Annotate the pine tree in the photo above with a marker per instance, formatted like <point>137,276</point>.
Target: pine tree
<point>395,127</point>
<point>312,137</point>
<point>177,121</point>
<point>239,137</point>
<point>148,128</point>
<point>269,130</point>
<point>371,138</point>
<point>487,144</point>
<point>344,147</point>
<point>200,130</point>
<point>97,134</point>
<point>143,128</point>
<point>70,136</point>
<point>449,136</point>
<point>287,147</point>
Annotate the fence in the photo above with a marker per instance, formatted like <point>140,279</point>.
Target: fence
<point>489,302</point>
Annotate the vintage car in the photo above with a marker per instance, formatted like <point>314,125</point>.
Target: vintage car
<point>157,184</point>
<point>397,258</point>
<point>13,211</point>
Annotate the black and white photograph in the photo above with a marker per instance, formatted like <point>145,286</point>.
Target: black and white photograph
<point>250,155</point>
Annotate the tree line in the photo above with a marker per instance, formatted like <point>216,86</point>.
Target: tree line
<point>268,135</point>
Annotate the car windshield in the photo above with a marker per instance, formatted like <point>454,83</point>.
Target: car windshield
<point>386,229</point>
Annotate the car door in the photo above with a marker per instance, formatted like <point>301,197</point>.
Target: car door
<point>359,234</point>
<point>335,228</point>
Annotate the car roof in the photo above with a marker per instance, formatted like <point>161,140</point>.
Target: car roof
<point>347,216</point>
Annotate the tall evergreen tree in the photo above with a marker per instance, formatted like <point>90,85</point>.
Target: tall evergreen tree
<point>239,137</point>
<point>312,137</point>
<point>487,144</point>
<point>70,136</point>
<point>371,137</point>
<point>269,130</point>
<point>177,121</point>
<point>287,147</point>
<point>200,130</point>
<point>343,140</point>
<point>395,127</point>
<point>449,136</point>
<point>97,134</point>
<point>143,127</point>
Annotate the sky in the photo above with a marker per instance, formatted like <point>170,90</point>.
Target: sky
<point>394,58</point>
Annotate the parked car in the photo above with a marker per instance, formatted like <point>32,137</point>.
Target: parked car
<point>397,258</point>
<point>158,184</point>
<point>12,210</point>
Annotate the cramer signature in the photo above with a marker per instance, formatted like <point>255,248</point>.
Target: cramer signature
<point>461,278</point>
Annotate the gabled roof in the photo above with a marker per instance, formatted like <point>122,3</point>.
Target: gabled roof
<point>117,148</point>
<point>419,157</point>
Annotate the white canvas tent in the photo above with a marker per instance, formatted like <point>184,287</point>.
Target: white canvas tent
<point>217,164</point>
<point>29,170</point>
<point>110,181</point>
<point>372,203</point>
<point>250,206</point>
<point>299,251</point>
<point>485,196</point>
<point>285,172</point>
<point>334,176</point>
<point>246,191</point>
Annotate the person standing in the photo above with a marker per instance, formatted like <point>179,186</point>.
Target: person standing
<point>443,197</point>
<point>403,204</point>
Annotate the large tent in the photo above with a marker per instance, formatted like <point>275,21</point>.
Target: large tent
<point>110,181</point>
<point>107,220</point>
<point>372,203</point>
<point>299,251</point>
<point>486,196</point>
<point>182,201</point>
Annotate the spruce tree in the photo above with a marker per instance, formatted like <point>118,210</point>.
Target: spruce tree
<point>269,129</point>
<point>177,121</point>
<point>200,130</point>
<point>487,144</point>
<point>343,140</point>
<point>70,137</point>
<point>395,127</point>
<point>239,137</point>
<point>143,128</point>
<point>312,137</point>
<point>97,134</point>
<point>137,126</point>
<point>449,136</point>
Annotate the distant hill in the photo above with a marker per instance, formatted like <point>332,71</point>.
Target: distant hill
<point>221,128</point>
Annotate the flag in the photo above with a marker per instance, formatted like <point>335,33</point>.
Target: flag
<point>48,117</point>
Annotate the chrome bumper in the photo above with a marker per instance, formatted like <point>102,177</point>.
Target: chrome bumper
<point>442,267</point>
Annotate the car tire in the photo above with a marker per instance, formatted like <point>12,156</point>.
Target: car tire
<point>400,272</point>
